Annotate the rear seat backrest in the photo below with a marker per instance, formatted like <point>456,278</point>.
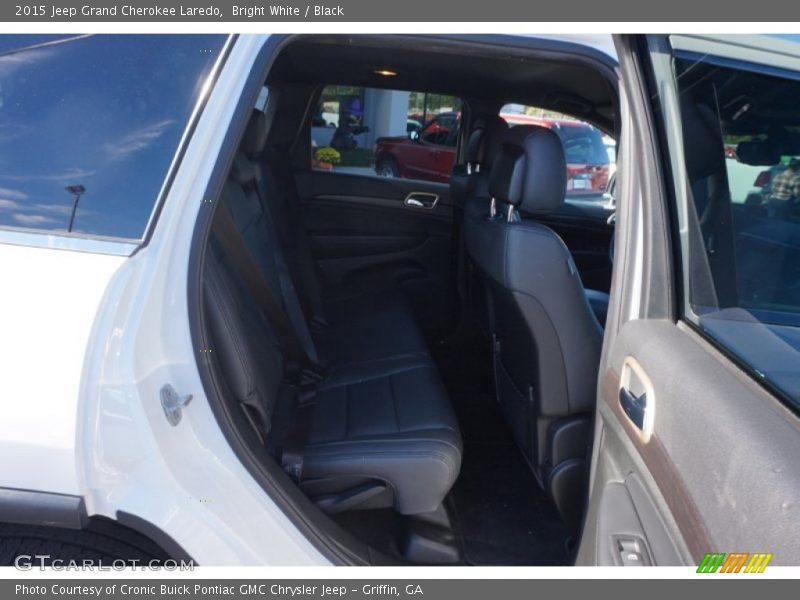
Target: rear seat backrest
<point>251,362</point>
<point>248,215</point>
<point>262,235</point>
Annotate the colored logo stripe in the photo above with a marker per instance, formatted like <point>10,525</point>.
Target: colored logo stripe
<point>711,562</point>
<point>735,562</point>
<point>758,563</point>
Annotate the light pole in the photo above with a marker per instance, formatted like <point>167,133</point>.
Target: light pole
<point>75,190</point>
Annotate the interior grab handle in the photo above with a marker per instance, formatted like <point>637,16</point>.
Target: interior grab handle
<point>637,398</point>
<point>634,406</point>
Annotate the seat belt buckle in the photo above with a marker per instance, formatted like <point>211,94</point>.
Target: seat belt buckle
<point>311,375</point>
<point>293,466</point>
<point>305,376</point>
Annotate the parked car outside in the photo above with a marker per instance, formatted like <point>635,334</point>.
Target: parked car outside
<point>427,153</point>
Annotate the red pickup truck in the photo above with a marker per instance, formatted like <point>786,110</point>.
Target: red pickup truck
<point>429,154</point>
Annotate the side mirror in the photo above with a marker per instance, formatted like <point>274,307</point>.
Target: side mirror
<point>413,135</point>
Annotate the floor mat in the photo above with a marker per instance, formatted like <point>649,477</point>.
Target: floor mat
<point>501,515</point>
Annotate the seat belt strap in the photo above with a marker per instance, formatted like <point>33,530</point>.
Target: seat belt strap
<point>290,201</point>
<point>291,300</point>
<point>237,251</point>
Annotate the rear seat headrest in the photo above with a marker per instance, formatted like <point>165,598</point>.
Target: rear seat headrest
<point>484,141</point>
<point>255,136</point>
<point>530,171</point>
<point>495,129</point>
<point>482,146</point>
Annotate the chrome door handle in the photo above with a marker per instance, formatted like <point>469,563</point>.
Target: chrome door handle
<point>637,398</point>
<point>421,200</point>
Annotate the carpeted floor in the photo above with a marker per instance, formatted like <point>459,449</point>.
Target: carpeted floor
<point>500,513</point>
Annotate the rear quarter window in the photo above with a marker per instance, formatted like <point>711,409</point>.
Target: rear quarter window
<point>89,126</point>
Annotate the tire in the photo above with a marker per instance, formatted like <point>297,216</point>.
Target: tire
<point>387,167</point>
<point>102,542</point>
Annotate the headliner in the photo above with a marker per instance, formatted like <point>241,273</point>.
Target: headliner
<point>493,70</point>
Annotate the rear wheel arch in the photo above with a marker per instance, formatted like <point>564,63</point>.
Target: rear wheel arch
<point>100,539</point>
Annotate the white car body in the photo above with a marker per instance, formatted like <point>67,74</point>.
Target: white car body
<point>91,335</point>
<point>93,330</point>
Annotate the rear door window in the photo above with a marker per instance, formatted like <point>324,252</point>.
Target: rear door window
<point>741,241</point>
<point>386,133</point>
<point>89,126</point>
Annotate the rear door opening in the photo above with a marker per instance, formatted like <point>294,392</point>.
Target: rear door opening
<point>353,369</point>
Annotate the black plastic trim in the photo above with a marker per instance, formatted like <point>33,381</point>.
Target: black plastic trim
<point>31,507</point>
<point>155,534</point>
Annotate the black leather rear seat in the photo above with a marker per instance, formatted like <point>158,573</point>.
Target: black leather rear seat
<point>375,428</point>
<point>344,328</point>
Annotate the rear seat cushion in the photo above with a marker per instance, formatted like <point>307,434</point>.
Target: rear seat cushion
<point>397,427</point>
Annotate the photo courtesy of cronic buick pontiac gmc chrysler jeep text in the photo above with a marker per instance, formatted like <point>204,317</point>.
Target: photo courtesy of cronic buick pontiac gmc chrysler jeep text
<point>393,299</point>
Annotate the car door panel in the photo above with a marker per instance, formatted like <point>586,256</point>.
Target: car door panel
<point>717,472</point>
<point>366,238</point>
<point>630,530</point>
<point>707,452</point>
